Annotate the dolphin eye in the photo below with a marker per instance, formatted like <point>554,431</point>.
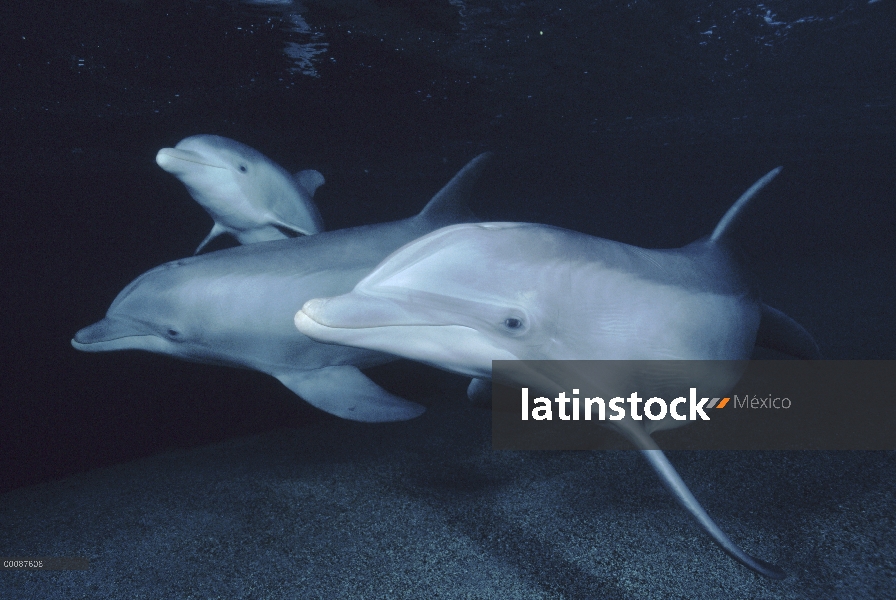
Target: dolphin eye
<point>512,323</point>
<point>173,334</point>
<point>243,168</point>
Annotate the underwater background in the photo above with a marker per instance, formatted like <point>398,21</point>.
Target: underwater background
<point>635,121</point>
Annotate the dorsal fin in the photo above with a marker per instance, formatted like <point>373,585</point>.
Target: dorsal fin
<point>736,208</point>
<point>310,180</point>
<point>449,205</point>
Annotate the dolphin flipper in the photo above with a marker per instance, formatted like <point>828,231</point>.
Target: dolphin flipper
<point>347,393</point>
<point>480,391</point>
<point>685,498</point>
<point>779,332</point>
<point>217,230</point>
<point>679,489</point>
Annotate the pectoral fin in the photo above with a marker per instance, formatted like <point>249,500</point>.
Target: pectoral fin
<point>686,499</point>
<point>480,392</point>
<point>347,393</point>
<point>779,332</point>
<point>215,232</point>
<point>679,490</point>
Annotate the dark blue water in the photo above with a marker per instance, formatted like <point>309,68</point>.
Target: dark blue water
<point>635,121</point>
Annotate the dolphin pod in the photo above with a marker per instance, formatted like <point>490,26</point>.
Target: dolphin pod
<point>468,294</point>
<point>247,194</point>
<point>235,307</point>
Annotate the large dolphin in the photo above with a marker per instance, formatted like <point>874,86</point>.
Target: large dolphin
<point>468,294</point>
<point>247,194</point>
<point>235,307</point>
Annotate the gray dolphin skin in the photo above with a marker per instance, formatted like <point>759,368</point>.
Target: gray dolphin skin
<point>247,194</point>
<point>468,294</point>
<point>235,307</point>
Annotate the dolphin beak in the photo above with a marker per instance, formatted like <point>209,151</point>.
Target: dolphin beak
<point>382,324</point>
<point>109,334</point>
<point>356,311</point>
<point>170,159</point>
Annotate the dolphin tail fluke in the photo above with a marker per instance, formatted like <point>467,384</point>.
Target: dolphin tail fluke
<point>215,232</point>
<point>779,332</point>
<point>737,208</point>
<point>347,393</point>
<point>449,205</point>
<point>685,498</point>
<point>679,489</point>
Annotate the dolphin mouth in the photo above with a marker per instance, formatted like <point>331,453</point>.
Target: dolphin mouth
<point>449,346</point>
<point>166,157</point>
<point>352,318</point>
<point>108,335</point>
<point>356,311</point>
<point>346,328</point>
<point>131,342</point>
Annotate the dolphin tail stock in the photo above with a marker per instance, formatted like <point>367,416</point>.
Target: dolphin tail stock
<point>449,205</point>
<point>347,393</point>
<point>679,489</point>
<point>217,230</point>
<point>736,210</point>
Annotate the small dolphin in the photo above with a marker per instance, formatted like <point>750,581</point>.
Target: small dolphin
<point>235,307</point>
<point>468,294</point>
<point>247,194</point>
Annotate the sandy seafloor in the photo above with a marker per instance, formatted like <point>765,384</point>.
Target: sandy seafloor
<point>426,509</point>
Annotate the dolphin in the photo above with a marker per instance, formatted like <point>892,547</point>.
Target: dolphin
<point>465,295</point>
<point>235,307</point>
<point>247,194</point>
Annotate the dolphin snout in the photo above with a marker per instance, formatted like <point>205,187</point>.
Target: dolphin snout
<point>165,157</point>
<point>100,331</point>
<point>355,311</point>
<point>314,309</point>
<point>171,159</point>
<point>110,334</point>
